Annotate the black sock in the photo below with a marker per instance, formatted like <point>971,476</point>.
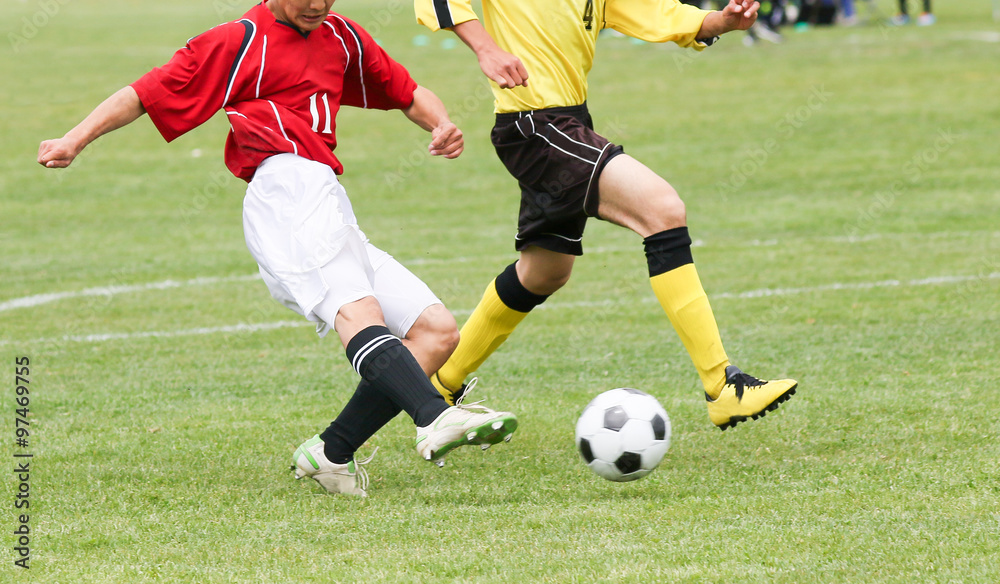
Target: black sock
<point>667,250</point>
<point>382,360</point>
<point>512,292</point>
<point>365,413</point>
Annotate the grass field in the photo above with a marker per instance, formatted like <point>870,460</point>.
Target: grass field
<point>842,188</point>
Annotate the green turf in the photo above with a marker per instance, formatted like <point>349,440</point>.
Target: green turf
<point>842,187</point>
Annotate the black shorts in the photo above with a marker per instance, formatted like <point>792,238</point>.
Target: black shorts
<point>556,157</point>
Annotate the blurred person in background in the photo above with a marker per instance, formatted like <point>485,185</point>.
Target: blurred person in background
<point>926,17</point>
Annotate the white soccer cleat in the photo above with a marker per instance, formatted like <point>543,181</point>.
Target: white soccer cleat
<point>346,479</point>
<point>460,425</point>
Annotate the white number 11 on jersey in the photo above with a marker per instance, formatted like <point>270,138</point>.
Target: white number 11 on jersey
<point>314,111</point>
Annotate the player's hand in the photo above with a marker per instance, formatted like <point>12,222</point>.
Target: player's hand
<point>447,141</point>
<point>503,68</point>
<point>740,14</point>
<point>58,153</point>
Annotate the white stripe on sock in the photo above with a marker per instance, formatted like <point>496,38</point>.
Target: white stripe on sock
<point>366,350</point>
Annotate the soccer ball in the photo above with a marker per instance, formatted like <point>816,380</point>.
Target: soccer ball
<point>623,434</point>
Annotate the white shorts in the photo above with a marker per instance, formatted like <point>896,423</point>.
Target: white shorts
<point>301,229</point>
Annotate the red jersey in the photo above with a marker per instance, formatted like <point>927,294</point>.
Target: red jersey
<point>281,88</point>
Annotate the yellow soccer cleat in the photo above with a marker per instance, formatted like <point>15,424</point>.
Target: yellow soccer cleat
<point>452,396</point>
<point>744,396</point>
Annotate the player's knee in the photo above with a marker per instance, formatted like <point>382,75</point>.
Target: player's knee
<point>668,212</point>
<point>543,273</point>
<point>436,330</point>
<point>547,282</point>
<point>442,343</point>
<point>558,280</point>
<point>448,340</point>
<point>676,211</point>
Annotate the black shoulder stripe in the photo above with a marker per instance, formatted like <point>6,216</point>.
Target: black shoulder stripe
<point>361,60</point>
<point>357,39</point>
<point>443,13</point>
<point>248,33</point>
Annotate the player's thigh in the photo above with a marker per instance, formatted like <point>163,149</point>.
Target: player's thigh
<point>345,280</point>
<point>300,228</point>
<point>296,215</point>
<point>633,196</point>
<point>405,298</point>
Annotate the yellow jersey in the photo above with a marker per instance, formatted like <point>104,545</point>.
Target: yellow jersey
<point>556,39</point>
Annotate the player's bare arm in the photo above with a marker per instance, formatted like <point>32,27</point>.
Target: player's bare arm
<point>737,15</point>
<point>428,112</point>
<point>121,109</point>
<point>505,69</point>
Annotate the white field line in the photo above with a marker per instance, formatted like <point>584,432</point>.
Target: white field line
<point>108,291</point>
<point>844,239</point>
<point>236,328</point>
<point>759,293</point>
<point>765,292</point>
<point>770,292</point>
<point>39,299</point>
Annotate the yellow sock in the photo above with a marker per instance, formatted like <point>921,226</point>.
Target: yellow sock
<point>487,328</point>
<point>686,304</point>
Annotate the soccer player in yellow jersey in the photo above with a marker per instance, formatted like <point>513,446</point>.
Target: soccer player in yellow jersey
<point>537,53</point>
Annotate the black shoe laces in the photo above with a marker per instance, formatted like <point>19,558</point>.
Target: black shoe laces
<point>743,380</point>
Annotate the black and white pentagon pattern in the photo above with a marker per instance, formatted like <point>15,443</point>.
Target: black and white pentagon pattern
<point>623,434</point>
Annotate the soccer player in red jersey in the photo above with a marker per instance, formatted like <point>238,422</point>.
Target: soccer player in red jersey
<point>281,73</point>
